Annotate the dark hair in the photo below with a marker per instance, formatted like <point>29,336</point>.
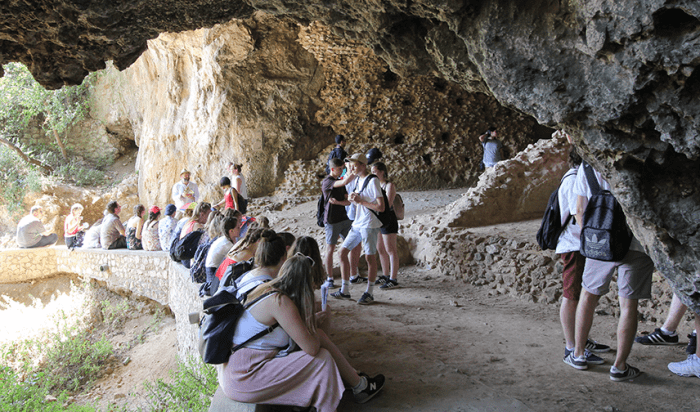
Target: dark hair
<point>339,138</point>
<point>271,249</point>
<point>288,238</point>
<point>225,181</point>
<point>307,246</point>
<point>229,223</point>
<point>251,237</point>
<point>237,167</point>
<point>381,166</point>
<point>152,217</point>
<point>112,206</point>
<point>574,158</point>
<point>138,209</point>
<point>336,163</point>
<point>491,129</point>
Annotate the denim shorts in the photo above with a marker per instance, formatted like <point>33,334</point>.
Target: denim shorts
<point>336,230</point>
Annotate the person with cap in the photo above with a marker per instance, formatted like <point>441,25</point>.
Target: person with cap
<point>493,149</point>
<point>166,227</point>
<point>368,199</point>
<point>337,153</point>
<point>31,232</point>
<point>149,234</point>
<point>184,191</point>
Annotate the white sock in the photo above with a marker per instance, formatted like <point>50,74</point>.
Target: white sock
<point>345,287</point>
<point>613,369</point>
<point>668,332</point>
<point>329,278</point>
<point>360,386</point>
<point>370,287</point>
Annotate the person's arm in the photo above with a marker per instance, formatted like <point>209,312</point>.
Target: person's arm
<point>236,184</point>
<point>345,202</point>
<point>349,177</point>
<point>285,312</point>
<point>139,228</point>
<point>119,226</point>
<point>177,193</point>
<point>482,138</point>
<point>581,204</point>
<point>234,195</point>
<point>390,193</point>
<point>71,223</point>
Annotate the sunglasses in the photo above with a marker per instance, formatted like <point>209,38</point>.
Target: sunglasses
<point>299,254</point>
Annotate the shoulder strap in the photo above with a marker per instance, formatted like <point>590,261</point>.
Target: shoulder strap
<point>262,332</point>
<point>590,177</point>
<point>366,182</point>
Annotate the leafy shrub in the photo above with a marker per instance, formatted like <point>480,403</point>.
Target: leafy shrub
<point>18,179</point>
<point>194,383</point>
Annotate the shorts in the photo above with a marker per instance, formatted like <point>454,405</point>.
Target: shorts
<point>335,230</point>
<point>633,276</point>
<point>368,237</point>
<point>392,227</point>
<point>572,276</point>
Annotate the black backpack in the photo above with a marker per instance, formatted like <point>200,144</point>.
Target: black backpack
<point>385,216</point>
<point>198,271</point>
<point>235,271</point>
<point>185,248</point>
<point>605,235</point>
<point>218,325</point>
<point>242,204</point>
<point>321,211</point>
<point>551,227</point>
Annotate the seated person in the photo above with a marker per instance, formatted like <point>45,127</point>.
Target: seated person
<point>31,232</point>
<point>198,219</point>
<point>112,229</point>
<point>134,229</point>
<point>166,227</point>
<point>73,229</point>
<point>229,227</point>
<point>241,251</point>
<point>268,370</point>
<point>92,236</point>
<point>149,236</point>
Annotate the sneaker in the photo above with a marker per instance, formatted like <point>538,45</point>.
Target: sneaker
<point>331,285</point>
<point>657,338</point>
<point>381,279</point>
<point>374,385</point>
<point>390,284</point>
<point>366,299</point>
<point>341,295</point>
<point>630,373</point>
<point>688,367</point>
<point>595,347</point>
<point>591,359</point>
<point>578,363</point>
<point>692,344</point>
<point>358,279</point>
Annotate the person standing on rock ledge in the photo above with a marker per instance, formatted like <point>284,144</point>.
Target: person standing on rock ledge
<point>31,232</point>
<point>184,191</point>
<point>493,149</point>
<point>365,228</point>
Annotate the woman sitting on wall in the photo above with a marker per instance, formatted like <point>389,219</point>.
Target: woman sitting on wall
<point>134,227</point>
<point>198,219</point>
<point>73,229</point>
<point>150,238</point>
<point>269,370</point>
<point>243,250</point>
<point>229,227</point>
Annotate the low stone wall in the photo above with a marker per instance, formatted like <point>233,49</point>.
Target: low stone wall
<point>148,274</point>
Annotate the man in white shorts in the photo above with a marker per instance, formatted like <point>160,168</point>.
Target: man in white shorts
<point>367,197</point>
<point>633,281</point>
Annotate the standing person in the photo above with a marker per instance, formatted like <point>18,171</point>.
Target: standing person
<point>72,227</point>
<point>335,218</point>
<point>493,149</point>
<point>166,227</point>
<point>184,191</point>
<point>337,153</point>
<point>112,229</point>
<point>230,200</point>
<point>634,282</point>
<point>31,232</point>
<point>134,228</point>
<point>350,180</point>
<point>690,366</point>
<point>267,371</point>
<point>386,243</point>
<point>150,234</point>
<point>365,229</point>
<point>237,179</point>
<point>666,334</point>
<point>568,247</point>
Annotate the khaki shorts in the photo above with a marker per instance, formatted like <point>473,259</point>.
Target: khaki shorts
<point>633,276</point>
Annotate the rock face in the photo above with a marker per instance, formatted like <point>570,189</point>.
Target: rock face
<point>621,76</point>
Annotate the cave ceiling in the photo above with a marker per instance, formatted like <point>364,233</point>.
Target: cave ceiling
<point>619,76</point>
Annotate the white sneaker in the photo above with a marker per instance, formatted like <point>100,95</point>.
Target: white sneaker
<point>688,367</point>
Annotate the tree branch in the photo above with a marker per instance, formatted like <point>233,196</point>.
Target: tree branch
<point>46,168</point>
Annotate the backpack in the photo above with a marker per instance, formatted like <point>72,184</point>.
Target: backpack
<point>605,235</point>
<point>218,325</point>
<point>551,227</point>
<point>198,271</point>
<point>185,248</point>
<point>235,271</point>
<point>385,216</point>
<point>242,204</point>
<point>398,207</point>
<point>321,211</point>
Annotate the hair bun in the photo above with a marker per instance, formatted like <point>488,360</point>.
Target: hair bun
<point>269,234</point>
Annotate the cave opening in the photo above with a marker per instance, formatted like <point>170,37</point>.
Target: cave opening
<point>399,139</point>
<point>427,158</point>
<point>674,22</point>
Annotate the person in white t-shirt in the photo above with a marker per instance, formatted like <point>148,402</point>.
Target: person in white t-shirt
<point>634,283</point>
<point>237,179</point>
<point>367,198</point>
<point>230,227</point>
<point>184,191</point>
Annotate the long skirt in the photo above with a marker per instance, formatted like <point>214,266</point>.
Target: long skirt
<point>298,379</point>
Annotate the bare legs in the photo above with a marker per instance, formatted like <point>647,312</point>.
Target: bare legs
<point>675,314</point>
<point>328,261</point>
<point>388,255</point>
<point>584,320</point>
<point>347,372</point>
<point>567,315</point>
<point>626,330</point>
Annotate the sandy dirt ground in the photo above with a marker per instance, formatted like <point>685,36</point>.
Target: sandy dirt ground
<point>445,345</point>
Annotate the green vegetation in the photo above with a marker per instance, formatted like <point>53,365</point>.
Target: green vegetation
<point>18,179</point>
<point>191,389</point>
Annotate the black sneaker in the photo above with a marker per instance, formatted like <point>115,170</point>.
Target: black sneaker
<point>630,373</point>
<point>692,344</point>
<point>595,347</point>
<point>591,359</point>
<point>374,385</point>
<point>657,338</point>
<point>381,279</point>
<point>340,295</point>
<point>390,284</point>
<point>358,279</point>
<point>578,363</point>
<point>366,299</point>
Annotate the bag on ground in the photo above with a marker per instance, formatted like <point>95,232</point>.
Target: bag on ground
<point>551,227</point>
<point>605,235</point>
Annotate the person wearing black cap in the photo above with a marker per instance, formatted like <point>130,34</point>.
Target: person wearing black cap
<point>337,153</point>
<point>166,226</point>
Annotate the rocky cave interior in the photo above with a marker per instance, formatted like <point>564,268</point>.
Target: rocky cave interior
<point>269,83</point>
